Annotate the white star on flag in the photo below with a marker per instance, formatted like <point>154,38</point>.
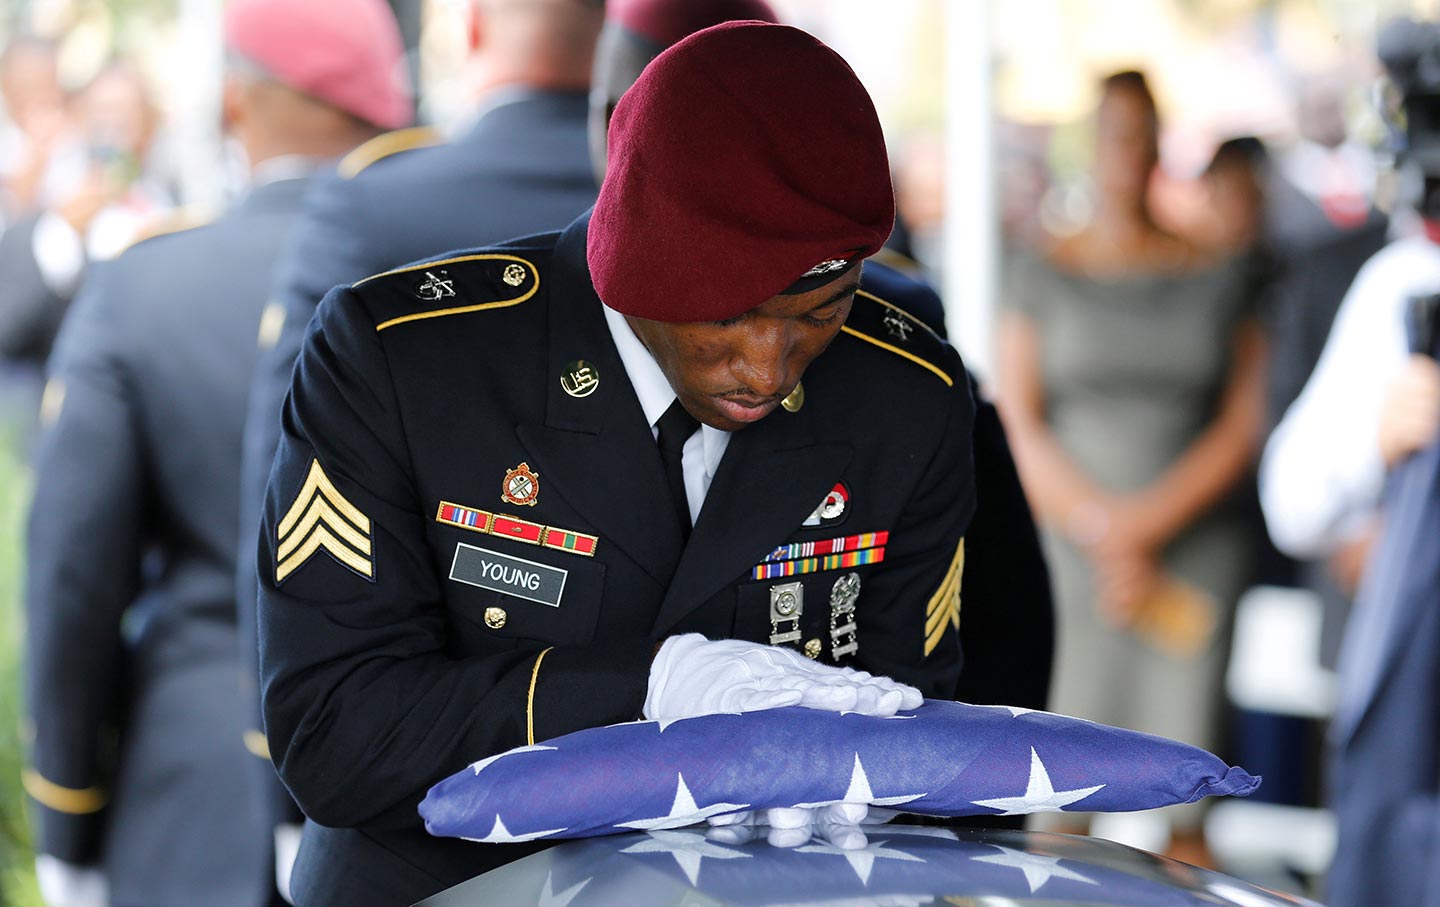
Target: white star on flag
<point>665,723</point>
<point>478,767</point>
<point>1040,795</point>
<point>1038,870</point>
<point>548,897</point>
<point>860,792</point>
<point>502,835</point>
<point>684,811</point>
<point>688,849</point>
<point>861,860</point>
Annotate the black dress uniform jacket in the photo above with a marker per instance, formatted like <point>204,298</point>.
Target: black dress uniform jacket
<point>522,168</point>
<point>1007,631</point>
<point>385,663</point>
<point>30,310</point>
<point>130,587</point>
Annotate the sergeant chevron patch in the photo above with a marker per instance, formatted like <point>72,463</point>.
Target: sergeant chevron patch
<point>321,518</point>
<point>943,608</point>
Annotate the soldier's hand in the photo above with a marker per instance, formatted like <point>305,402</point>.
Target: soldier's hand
<point>841,824</point>
<point>692,675</point>
<point>1410,414</point>
<point>799,816</point>
<point>65,884</point>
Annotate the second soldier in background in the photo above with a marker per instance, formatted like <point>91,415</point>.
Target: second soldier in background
<point>135,682</point>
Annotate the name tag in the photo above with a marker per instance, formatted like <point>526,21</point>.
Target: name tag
<point>510,575</point>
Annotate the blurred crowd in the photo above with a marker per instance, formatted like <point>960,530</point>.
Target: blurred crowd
<point>83,179</point>
<point>1150,345</point>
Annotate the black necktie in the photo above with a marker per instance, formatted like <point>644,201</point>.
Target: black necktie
<point>676,427</point>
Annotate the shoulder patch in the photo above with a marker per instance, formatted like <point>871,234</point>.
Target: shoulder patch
<point>886,325</point>
<point>457,285</point>
<point>386,145</point>
<point>900,262</point>
<point>321,518</point>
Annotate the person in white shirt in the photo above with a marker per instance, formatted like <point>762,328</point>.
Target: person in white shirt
<point>1369,404</point>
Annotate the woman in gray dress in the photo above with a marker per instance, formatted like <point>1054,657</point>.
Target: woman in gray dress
<point>1129,368</point>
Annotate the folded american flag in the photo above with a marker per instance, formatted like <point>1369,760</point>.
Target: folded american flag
<point>943,759</point>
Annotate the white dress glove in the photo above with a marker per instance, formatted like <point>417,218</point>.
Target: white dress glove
<point>287,845</point>
<point>692,675</point>
<point>65,884</point>
<point>840,824</point>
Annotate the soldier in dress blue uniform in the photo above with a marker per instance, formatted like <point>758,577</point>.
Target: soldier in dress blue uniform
<point>503,510</point>
<point>139,763</point>
<point>521,168</point>
<point>1007,630</point>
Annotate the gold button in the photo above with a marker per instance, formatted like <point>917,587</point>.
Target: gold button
<point>495,618</point>
<point>812,648</point>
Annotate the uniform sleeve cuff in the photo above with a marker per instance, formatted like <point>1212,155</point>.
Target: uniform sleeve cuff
<point>577,687</point>
<point>70,819</point>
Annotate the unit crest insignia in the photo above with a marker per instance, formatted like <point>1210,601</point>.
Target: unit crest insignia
<point>832,509</point>
<point>521,486</point>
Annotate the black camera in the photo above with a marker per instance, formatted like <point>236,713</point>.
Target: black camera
<point>1410,53</point>
<point>1422,324</point>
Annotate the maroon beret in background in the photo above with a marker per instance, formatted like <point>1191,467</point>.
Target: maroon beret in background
<point>745,156</point>
<point>667,21</point>
<point>346,53</point>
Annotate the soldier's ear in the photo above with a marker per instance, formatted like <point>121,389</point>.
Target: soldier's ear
<point>232,106</point>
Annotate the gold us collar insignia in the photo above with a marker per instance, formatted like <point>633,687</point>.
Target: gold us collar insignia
<point>795,399</point>
<point>521,486</point>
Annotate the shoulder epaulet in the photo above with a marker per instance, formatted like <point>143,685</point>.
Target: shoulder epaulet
<point>900,262</point>
<point>175,221</point>
<point>383,146</point>
<point>891,328</point>
<point>457,285</point>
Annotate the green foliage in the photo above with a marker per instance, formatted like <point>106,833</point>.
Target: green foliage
<point>17,882</point>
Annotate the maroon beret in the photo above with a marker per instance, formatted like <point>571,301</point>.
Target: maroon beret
<point>347,53</point>
<point>746,158</point>
<point>667,21</point>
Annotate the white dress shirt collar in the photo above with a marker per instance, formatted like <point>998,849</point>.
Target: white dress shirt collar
<point>656,395</point>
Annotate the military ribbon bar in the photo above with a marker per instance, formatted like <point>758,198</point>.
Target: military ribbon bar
<point>464,517</point>
<point>815,564</point>
<point>564,540</point>
<point>828,546</point>
<point>515,528</point>
<point>521,530</point>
